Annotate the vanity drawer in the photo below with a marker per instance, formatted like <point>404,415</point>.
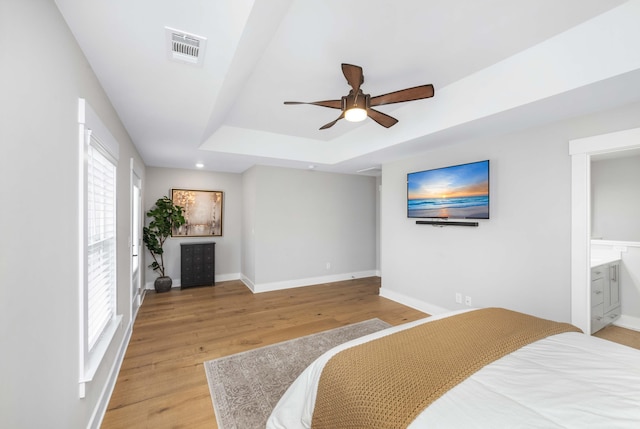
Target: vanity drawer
<point>598,272</point>
<point>612,316</point>
<point>597,318</point>
<point>597,291</point>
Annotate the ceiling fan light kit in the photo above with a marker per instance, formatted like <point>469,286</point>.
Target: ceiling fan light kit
<point>355,114</point>
<point>356,106</point>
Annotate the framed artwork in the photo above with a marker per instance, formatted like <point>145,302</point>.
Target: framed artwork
<point>202,211</point>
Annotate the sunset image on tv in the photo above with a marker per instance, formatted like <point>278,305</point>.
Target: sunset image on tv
<point>456,192</point>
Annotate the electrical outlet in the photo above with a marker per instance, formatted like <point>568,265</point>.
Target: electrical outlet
<point>467,301</point>
<point>328,265</point>
<point>458,297</point>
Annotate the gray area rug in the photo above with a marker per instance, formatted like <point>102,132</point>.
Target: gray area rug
<point>245,387</point>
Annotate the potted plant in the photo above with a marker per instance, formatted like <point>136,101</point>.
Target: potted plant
<point>164,217</point>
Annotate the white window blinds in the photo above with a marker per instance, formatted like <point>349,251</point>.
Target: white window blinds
<point>101,241</point>
<point>97,273</point>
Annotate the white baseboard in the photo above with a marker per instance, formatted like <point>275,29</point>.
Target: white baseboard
<point>176,283</point>
<point>248,283</point>
<point>288,284</point>
<point>412,302</point>
<point>628,322</point>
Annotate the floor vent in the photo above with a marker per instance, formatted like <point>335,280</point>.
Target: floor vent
<point>185,47</point>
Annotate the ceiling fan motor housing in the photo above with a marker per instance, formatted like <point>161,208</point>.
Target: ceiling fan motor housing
<point>359,101</point>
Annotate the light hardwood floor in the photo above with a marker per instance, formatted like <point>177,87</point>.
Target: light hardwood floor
<point>620,335</point>
<point>162,383</point>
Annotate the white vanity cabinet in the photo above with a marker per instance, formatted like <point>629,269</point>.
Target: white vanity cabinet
<point>605,295</point>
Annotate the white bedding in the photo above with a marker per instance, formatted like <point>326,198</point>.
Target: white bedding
<point>569,380</point>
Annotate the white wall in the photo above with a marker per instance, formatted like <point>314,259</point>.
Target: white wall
<point>160,181</point>
<point>615,199</point>
<point>304,220</point>
<point>43,74</point>
<point>247,264</point>
<point>281,226</point>
<point>520,258</point>
<point>630,288</point>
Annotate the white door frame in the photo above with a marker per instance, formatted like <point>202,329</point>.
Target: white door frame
<point>135,239</point>
<point>581,151</point>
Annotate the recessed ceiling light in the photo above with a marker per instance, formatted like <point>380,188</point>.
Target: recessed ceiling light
<point>199,165</point>
<point>311,167</point>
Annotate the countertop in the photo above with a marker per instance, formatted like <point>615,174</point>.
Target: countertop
<point>602,260</point>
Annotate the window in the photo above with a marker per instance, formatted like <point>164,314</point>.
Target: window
<point>101,241</point>
<point>98,271</point>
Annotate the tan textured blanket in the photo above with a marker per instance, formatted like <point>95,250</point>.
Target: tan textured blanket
<point>387,382</point>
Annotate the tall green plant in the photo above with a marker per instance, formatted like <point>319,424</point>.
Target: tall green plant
<point>165,215</point>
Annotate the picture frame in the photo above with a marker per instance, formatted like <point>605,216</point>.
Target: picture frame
<point>202,210</point>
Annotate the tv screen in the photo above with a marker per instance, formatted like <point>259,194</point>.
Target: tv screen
<point>455,192</point>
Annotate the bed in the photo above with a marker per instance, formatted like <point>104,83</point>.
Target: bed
<point>565,380</point>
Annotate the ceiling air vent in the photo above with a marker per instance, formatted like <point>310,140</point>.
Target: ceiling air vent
<point>185,47</point>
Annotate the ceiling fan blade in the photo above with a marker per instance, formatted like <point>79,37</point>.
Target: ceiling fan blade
<point>332,123</point>
<point>334,104</point>
<point>354,76</point>
<point>409,94</point>
<point>382,118</point>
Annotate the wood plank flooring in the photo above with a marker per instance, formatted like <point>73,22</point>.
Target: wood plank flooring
<point>620,335</point>
<point>162,383</point>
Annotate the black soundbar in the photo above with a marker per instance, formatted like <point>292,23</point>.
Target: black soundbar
<point>445,223</point>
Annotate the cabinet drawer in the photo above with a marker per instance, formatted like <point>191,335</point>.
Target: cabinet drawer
<point>612,316</point>
<point>597,318</point>
<point>598,272</point>
<point>597,291</point>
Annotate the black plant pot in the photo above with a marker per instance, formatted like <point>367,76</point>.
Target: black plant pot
<point>163,284</point>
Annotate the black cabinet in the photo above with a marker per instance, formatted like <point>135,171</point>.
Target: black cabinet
<point>197,264</point>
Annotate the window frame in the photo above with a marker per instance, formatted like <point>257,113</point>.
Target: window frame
<point>94,136</point>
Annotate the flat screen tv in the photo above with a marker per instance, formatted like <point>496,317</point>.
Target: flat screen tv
<point>455,192</point>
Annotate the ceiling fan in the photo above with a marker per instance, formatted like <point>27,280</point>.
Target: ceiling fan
<point>357,106</point>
